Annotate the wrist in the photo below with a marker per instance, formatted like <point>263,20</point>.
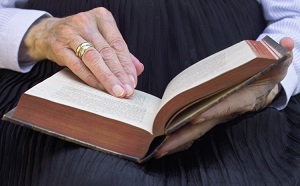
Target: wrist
<point>34,43</point>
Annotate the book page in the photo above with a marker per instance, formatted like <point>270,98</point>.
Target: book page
<point>66,89</point>
<point>207,69</point>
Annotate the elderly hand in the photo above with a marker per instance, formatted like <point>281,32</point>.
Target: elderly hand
<point>251,98</point>
<point>108,65</point>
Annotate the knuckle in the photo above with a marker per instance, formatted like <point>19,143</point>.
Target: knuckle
<point>91,57</point>
<point>105,77</point>
<point>76,67</point>
<point>86,76</point>
<point>66,33</point>
<point>103,13</point>
<point>119,73</point>
<point>249,107</point>
<point>118,44</point>
<point>82,23</point>
<point>226,112</point>
<point>56,48</point>
<point>116,69</point>
<point>89,78</point>
<point>106,52</point>
<point>80,18</point>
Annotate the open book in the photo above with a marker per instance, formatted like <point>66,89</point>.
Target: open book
<point>135,128</point>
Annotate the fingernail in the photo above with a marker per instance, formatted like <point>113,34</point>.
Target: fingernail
<point>199,121</point>
<point>129,90</point>
<point>163,154</point>
<point>118,90</point>
<point>133,81</point>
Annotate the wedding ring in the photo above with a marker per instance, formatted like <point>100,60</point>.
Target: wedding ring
<point>82,48</point>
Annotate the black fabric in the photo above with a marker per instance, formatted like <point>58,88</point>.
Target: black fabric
<point>167,36</point>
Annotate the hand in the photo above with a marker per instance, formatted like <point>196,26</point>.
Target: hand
<point>251,98</point>
<point>108,66</point>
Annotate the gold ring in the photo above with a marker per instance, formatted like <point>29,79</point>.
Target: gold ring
<point>82,48</point>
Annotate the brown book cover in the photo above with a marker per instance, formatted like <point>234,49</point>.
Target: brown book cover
<point>135,128</point>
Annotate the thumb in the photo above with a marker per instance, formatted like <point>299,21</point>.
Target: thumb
<point>287,43</point>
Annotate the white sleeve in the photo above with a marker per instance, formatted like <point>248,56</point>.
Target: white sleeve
<point>14,23</point>
<point>283,18</point>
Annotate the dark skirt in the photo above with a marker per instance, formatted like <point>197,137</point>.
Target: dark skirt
<point>261,148</point>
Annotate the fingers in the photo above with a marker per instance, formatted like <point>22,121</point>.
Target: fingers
<point>103,72</point>
<point>236,104</point>
<point>109,65</point>
<point>287,43</point>
<point>279,71</point>
<point>116,44</point>
<point>109,62</point>
<point>251,98</point>
<point>224,111</point>
<point>80,69</point>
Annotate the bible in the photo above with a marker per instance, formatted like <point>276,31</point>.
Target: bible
<point>135,128</point>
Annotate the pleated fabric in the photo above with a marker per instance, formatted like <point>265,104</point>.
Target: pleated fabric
<point>167,36</point>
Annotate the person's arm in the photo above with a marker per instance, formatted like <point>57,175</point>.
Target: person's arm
<point>95,51</point>
<point>283,19</point>
<point>14,23</point>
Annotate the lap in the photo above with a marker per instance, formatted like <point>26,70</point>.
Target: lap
<point>255,148</point>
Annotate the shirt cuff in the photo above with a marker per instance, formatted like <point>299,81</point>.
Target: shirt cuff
<point>18,22</point>
<point>289,84</point>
